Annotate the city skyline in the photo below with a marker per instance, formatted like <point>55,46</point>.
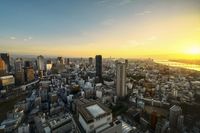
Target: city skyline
<point>116,28</point>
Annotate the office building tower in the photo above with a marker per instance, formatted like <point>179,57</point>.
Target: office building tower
<point>180,124</point>
<point>99,67</point>
<point>90,61</point>
<point>27,64</point>
<point>67,61</point>
<point>40,63</point>
<point>121,80</point>
<point>60,60</point>
<point>2,65</point>
<point>19,71</point>
<point>19,77</point>
<point>126,62</point>
<point>18,65</point>
<point>49,65</point>
<point>175,119</point>
<point>29,73</point>
<point>6,58</point>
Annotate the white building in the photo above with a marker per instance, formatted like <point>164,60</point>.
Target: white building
<point>40,63</point>
<point>94,117</point>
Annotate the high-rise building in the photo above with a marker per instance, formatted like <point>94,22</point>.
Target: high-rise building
<point>180,124</point>
<point>19,71</point>
<point>19,77</point>
<point>60,60</point>
<point>121,80</point>
<point>40,63</point>
<point>90,61</point>
<point>99,67</point>
<point>2,65</point>
<point>126,62</point>
<point>175,119</point>
<point>18,65</point>
<point>49,65</point>
<point>29,72</point>
<point>6,58</point>
<point>27,64</point>
<point>67,61</point>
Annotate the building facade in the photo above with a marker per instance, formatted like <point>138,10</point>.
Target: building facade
<point>121,89</point>
<point>99,67</point>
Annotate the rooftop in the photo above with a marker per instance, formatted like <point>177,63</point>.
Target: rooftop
<point>176,108</point>
<point>91,109</point>
<point>95,110</point>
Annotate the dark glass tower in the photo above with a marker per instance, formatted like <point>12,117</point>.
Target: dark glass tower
<point>99,67</point>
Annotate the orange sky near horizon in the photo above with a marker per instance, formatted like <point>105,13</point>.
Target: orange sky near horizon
<point>163,30</point>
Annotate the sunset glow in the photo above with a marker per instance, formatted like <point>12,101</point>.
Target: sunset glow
<point>136,28</point>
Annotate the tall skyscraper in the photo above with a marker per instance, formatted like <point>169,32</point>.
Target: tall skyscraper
<point>67,61</point>
<point>175,119</point>
<point>99,67</point>
<point>19,71</point>
<point>6,58</point>
<point>60,60</point>
<point>40,63</point>
<point>49,65</point>
<point>27,64</point>
<point>2,65</point>
<point>29,73</point>
<point>126,62</point>
<point>121,80</point>
<point>18,65</point>
<point>90,61</point>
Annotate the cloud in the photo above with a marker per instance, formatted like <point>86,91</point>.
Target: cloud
<point>28,38</point>
<point>147,12</point>
<point>12,38</point>
<point>133,42</point>
<point>108,22</point>
<point>152,38</point>
<point>101,1</point>
<point>125,2</point>
<point>143,13</point>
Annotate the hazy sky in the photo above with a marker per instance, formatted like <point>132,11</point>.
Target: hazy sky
<point>117,28</point>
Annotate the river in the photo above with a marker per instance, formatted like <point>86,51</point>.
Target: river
<point>178,64</point>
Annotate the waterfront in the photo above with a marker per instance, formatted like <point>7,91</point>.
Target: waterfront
<point>177,64</point>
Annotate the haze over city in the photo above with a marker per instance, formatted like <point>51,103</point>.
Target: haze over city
<point>117,28</point>
<point>99,66</point>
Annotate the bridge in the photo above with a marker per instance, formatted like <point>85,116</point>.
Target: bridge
<point>23,87</point>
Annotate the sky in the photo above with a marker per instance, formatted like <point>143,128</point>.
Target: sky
<point>116,28</point>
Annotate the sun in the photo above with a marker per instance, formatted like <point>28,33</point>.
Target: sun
<point>194,50</point>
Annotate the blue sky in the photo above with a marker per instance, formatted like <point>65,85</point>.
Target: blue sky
<point>50,26</point>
